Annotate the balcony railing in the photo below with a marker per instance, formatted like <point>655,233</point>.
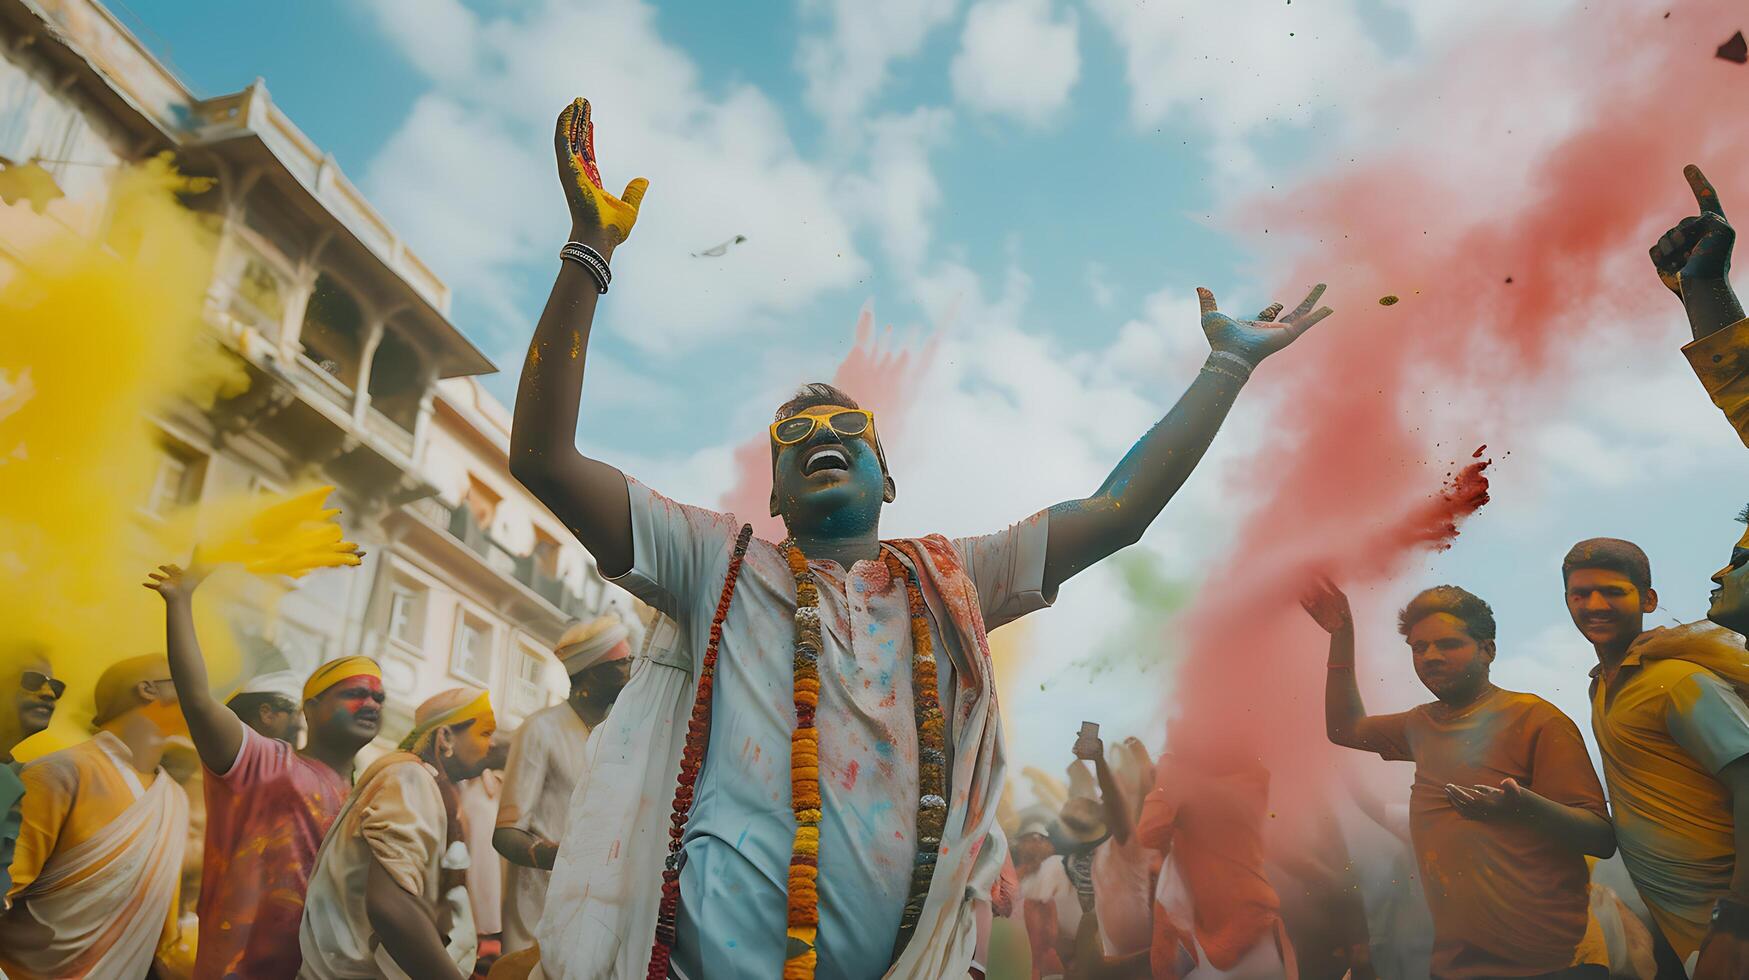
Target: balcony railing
<point>460,523</point>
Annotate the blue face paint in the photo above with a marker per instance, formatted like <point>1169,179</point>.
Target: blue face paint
<point>832,502</point>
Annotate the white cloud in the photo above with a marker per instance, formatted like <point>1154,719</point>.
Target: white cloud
<point>437,35</point>
<point>846,66</point>
<point>1099,285</point>
<point>1240,66</point>
<point>469,175</point>
<point>899,193</point>
<point>1017,59</point>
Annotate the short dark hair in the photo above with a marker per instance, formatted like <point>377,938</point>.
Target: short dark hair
<point>247,706</point>
<point>1477,616</point>
<point>813,395</point>
<point>1610,554</point>
<point>1743,515</point>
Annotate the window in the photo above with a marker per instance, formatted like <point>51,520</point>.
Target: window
<point>407,614</point>
<point>471,657</point>
<point>483,502</point>
<point>258,299</point>
<point>528,690</point>
<point>546,554</point>
<point>176,482</point>
<point>333,332</point>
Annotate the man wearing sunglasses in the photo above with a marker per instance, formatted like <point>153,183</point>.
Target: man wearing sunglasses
<point>33,690</point>
<point>99,858</point>
<point>830,479</point>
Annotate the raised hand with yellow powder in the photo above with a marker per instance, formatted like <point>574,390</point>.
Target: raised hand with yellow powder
<point>293,537</point>
<point>598,218</point>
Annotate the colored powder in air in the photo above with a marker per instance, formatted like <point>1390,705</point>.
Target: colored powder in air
<point>1348,481</point>
<point>292,537</point>
<point>876,374</point>
<point>101,333</point>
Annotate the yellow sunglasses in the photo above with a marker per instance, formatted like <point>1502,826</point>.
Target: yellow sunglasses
<point>845,422</point>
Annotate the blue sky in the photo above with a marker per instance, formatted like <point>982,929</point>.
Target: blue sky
<point>1039,182</point>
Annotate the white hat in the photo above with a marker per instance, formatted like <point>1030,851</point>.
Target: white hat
<point>287,684</point>
<point>586,644</point>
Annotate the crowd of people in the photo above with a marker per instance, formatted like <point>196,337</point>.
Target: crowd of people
<point>802,771</point>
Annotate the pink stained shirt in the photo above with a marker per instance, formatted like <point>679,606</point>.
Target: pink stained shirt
<point>265,820</point>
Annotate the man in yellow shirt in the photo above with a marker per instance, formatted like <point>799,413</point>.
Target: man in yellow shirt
<point>1674,735</point>
<point>1694,261</point>
<point>99,858</point>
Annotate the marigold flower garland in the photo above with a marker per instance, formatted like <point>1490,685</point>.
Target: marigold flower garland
<point>691,761</point>
<point>800,957</point>
<point>931,753</point>
<point>803,925</point>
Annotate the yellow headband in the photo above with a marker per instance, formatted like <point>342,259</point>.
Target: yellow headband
<point>453,707</point>
<point>335,671</point>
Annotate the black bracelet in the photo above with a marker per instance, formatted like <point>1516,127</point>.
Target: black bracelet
<point>1731,916</point>
<point>589,259</point>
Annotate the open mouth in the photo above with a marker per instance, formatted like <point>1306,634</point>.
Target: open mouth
<point>825,458</point>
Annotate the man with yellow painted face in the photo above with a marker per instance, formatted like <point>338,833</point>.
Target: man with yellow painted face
<point>267,804</point>
<point>882,896</point>
<point>376,904</point>
<point>99,860</point>
<point>1673,731</point>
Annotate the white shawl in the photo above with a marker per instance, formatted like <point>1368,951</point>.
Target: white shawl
<point>98,909</point>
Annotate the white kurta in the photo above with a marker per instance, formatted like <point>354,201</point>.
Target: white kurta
<point>545,762</point>
<point>602,912</point>
<point>395,815</point>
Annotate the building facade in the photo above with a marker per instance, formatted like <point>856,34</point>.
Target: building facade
<point>359,378</point>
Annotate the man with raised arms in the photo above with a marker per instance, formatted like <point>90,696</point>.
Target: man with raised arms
<point>838,828</point>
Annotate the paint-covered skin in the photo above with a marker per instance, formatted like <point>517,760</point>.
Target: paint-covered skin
<point>830,485</point>
<point>1449,661</point>
<point>1607,607</point>
<point>349,711</point>
<point>1698,248</point>
<point>597,217</point>
<point>1730,596</point>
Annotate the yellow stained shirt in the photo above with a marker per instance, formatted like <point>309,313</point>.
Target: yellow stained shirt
<point>1721,361</point>
<point>1665,728</point>
<point>69,797</point>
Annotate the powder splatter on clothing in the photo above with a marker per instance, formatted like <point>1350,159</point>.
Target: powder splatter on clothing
<point>1506,899</point>
<point>266,816</point>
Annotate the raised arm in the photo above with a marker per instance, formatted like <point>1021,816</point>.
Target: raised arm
<point>1344,711</point>
<point>587,494</point>
<point>1111,796</point>
<point>216,731</point>
<point>1694,260</point>
<point>1090,529</point>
